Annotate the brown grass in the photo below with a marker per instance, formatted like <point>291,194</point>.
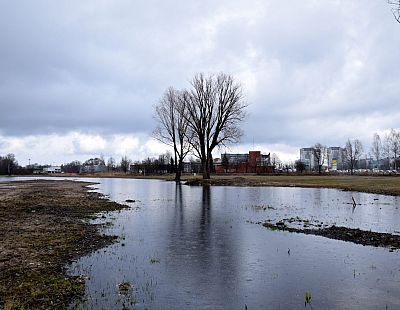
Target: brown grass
<point>43,228</point>
<point>388,185</point>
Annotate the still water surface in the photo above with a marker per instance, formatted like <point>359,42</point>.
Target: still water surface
<point>187,247</point>
<point>196,248</point>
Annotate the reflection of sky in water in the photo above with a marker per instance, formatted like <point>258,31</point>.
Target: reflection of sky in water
<point>192,248</point>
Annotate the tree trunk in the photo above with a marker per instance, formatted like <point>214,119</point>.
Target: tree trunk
<point>179,169</point>
<point>204,167</point>
<point>178,175</point>
<point>204,160</point>
<point>210,163</point>
<point>176,165</point>
<point>176,160</point>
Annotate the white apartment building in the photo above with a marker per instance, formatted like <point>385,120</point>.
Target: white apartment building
<point>307,157</point>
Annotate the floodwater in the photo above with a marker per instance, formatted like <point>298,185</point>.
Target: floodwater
<point>187,247</point>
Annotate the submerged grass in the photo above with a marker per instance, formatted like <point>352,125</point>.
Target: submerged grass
<point>45,226</point>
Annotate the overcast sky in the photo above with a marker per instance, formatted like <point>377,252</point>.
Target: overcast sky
<point>79,79</point>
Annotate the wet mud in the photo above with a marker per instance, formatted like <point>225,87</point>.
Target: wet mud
<point>354,235</point>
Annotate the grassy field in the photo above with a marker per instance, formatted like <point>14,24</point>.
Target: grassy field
<point>389,185</point>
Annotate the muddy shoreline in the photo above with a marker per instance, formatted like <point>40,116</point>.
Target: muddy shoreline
<point>45,225</point>
<point>353,235</point>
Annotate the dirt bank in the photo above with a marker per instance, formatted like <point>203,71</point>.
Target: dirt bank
<point>44,225</point>
<point>343,233</point>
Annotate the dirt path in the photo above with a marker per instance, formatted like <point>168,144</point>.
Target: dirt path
<point>43,226</point>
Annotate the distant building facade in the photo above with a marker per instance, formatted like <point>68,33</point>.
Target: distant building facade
<point>193,166</point>
<point>307,157</point>
<point>253,162</point>
<point>335,158</point>
<point>52,169</point>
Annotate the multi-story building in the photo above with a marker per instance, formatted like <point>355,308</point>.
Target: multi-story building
<point>335,158</point>
<point>333,161</point>
<point>307,157</point>
<point>253,162</point>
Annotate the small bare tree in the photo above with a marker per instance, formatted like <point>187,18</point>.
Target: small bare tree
<point>319,152</point>
<point>386,149</point>
<point>215,108</point>
<point>125,163</point>
<point>353,152</point>
<point>394,142</point>
<point>376,149</point>
<point>225,162</point>
<point>300,166</point>
<point>275,161</point>
<point>172,128</point>
<point>111,164</point>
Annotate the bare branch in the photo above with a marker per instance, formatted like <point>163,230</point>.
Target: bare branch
<point>170,114</point>
<point>395,9</point>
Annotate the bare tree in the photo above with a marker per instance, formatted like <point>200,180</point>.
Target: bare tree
<point>7,164</point>
<point>386,149</point>
<point>225,162</point>
<point>275,161</point>
<point>395,9</point>
<point>172,128</point>
<point>353,152</point>
<point>111,164</point>
<point>394,148</point>
<point>300,166</point>
<point>319,152</point>
<point>125,162</point>
<point>215,109</point>
<point>376,149</point>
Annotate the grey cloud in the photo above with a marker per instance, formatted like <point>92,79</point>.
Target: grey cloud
<point>100,66</point>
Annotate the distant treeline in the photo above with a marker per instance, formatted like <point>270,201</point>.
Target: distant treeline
<point>8,164</point>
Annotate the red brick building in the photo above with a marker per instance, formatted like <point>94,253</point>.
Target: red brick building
<point>254,162</point>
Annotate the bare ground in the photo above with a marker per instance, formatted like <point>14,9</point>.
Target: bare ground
<point>354,235</point>
<point>44,226</point>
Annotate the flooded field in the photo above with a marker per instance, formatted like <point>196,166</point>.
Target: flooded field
<point>197,248</point>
